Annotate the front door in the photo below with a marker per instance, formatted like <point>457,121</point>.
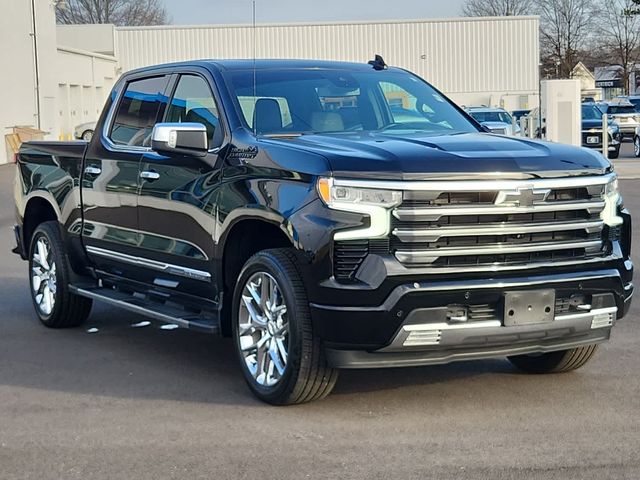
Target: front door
<point>111,177</point>
<point>176,206</point>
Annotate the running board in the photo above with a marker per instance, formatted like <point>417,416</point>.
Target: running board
<point>151,309</point>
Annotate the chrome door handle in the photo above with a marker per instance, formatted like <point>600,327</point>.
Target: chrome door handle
<point>91,170</point>
<point>149,175</point>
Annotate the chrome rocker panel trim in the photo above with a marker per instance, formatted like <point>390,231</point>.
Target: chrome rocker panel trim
<point>152,264</point>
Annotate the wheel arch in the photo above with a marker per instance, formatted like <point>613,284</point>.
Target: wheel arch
<point>244,236</point>
<point>38,209</point>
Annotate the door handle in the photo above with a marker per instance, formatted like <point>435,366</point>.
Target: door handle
<point>91,170</point>
<point>149,175</point>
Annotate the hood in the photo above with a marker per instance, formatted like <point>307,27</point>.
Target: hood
<point>597,124</point>
<point>419,156</point>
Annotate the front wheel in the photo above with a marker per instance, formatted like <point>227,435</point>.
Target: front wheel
<point>49,277</point>
<point>615,154</point>
<point>555,362</point>
<point>636,146</point>
<point>283,362</point>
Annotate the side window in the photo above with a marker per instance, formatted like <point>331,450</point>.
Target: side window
<point>137,112</point>
<point>193,102</point>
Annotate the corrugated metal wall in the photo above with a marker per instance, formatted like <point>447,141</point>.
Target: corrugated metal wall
<point>491,55</point>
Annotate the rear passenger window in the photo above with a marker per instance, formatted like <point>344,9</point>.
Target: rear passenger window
<point>137,112</point>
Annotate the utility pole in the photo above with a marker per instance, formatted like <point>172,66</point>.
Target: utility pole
<point>34,35</point>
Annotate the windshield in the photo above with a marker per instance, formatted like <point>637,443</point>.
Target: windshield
<point>613,110</point>
<point>491,116</point>
<point>591,112</point>
<point>303,101</point>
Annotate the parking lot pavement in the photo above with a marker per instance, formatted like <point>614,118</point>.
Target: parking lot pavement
<point>627,165</point>
<point>146,403</point>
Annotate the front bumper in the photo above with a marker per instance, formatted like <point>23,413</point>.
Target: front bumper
<point>371,337</point>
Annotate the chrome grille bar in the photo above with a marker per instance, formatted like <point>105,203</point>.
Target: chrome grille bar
<point>434,234</point>
<point>433,214</point>
<point>432,254</point>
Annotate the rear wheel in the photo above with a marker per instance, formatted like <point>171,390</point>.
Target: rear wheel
<point>555,362</point>
<point>283,362</point>
<point>49,277</point>
<point>636,145</point>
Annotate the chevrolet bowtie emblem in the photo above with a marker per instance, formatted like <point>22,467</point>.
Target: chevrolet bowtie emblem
<point>523,196</point>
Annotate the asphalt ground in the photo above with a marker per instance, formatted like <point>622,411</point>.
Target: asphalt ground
<point>146,403</point>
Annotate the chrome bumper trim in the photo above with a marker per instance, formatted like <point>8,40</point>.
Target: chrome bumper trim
<point>429,335</point>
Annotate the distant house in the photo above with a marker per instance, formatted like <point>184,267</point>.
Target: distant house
<point>587,81</point>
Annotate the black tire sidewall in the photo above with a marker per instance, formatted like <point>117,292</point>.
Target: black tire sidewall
<point>264,262</point>
<point>43,231</point>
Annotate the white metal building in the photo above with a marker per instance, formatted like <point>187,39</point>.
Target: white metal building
<point>476,61</point>
<point>46,85</point>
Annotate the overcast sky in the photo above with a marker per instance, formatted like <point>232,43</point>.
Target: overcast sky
<point>190,12</point>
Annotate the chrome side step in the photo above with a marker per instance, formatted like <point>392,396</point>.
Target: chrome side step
<point>151,309</point>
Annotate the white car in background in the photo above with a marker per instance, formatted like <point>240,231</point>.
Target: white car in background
<point>624,113</point>
<point>497,120</point>
<point>84,131</point>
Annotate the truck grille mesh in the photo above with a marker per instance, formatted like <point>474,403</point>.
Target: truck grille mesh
<point>489,229</point>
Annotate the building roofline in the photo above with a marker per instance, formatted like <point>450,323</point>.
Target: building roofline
<point>86,53</point>
<point>329,24</point>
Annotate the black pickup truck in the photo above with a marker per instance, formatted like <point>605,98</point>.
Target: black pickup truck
<point>325,216</point>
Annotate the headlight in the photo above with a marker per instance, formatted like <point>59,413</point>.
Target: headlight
<point>612,199</point>
<point>376,203</point>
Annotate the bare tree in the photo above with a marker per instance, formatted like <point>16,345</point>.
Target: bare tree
<point>565,29</point>
<point>118,12</point>
<point>498,8</point>
<point>620,29</point>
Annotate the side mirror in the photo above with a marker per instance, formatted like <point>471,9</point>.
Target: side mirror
<point>180,138</point>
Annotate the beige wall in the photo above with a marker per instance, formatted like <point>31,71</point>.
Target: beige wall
<point>18,82</point>
<point>83,80</point>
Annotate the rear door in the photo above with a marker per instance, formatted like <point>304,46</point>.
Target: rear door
<point>176,207</point>
<point>111,177</point>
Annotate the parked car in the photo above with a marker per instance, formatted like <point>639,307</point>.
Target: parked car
<point>496,120</point>
<point>624,115</point>
<point>633,99</point>
<point>283,203</point>
<point>592,130</point>
<point>84,131</point>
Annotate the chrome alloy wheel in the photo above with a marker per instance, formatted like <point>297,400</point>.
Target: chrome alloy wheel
<point>43,277</point>
<point>636,146</point>
<point>263,329</point>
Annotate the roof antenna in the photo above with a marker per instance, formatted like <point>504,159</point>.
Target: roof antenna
<point>378,63</point>
<point>255,86</point>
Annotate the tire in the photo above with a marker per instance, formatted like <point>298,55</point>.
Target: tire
<point>49,279</point>
<point>615,154</point>
<point>303,375</point>
<point>555,362</point>
<point>636,146</point>
<point>87,135</point>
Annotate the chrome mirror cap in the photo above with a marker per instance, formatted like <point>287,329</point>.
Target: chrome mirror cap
<point>180,138</point>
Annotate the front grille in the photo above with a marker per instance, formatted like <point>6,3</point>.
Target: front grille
<point>517,224</point>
